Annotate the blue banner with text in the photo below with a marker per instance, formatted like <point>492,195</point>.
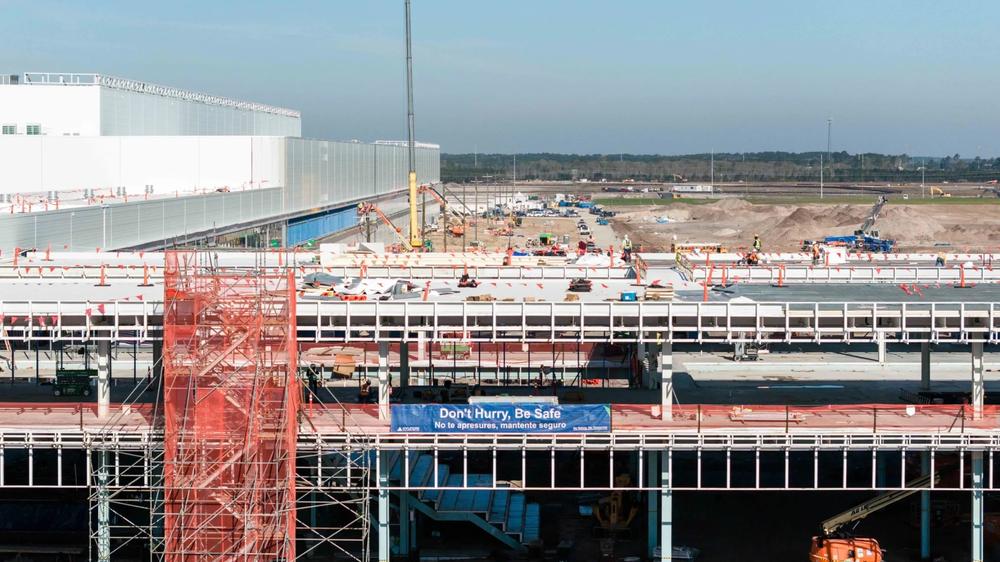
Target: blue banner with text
<point>501,418</point>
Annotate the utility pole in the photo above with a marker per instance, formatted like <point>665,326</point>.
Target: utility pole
<point>415,238</point>
<point>829,133</point>
<point>821,176</point>
<point>923,169</point>
<point>712,168</point>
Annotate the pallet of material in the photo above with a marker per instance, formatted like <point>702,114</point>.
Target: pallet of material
<point>659,293</point>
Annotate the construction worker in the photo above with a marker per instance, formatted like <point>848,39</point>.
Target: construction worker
<point>940,259</point>
<point>756,243</point>
<point>815,253</point>
<point>627,249</point>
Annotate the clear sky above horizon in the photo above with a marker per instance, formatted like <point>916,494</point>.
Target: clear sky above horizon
<point>583,76</point>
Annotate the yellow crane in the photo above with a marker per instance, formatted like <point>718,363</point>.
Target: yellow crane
<point>415,237</point>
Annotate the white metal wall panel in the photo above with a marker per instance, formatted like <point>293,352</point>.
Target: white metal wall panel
<point>139,222</point>
<point>180,163</point>
<point>59,110</point>
<point>126,112</point>
<point>290,176</point>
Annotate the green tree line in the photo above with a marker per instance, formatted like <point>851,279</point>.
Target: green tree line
<point>728,167</point>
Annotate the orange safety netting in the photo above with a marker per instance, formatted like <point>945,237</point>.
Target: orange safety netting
<point>231,400</point>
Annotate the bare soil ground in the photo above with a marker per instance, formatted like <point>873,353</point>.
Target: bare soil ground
<point>783,227</point>
<point>530,228</point>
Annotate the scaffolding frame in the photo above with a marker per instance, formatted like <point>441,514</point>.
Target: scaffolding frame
<point>227,481</point>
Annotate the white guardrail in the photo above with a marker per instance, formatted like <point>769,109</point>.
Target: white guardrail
<point>697,322</point>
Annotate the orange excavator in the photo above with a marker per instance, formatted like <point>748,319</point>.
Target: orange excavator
<point>366,209</point>
<point>835,545</point>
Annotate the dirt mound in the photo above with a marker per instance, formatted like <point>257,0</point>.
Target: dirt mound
<point>799,218</point>
<point>913,224</point>
<point>731,204</point>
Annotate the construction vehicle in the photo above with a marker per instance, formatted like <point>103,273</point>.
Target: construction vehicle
<point>454,221</point>
<point>866,238</point>
<point>367,209</point>
<point>73,382</point>
<point>698,247</point>
<point>835,545</point>
<point>939,191</point>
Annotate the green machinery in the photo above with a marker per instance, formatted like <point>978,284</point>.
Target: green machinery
<point>73,381</point>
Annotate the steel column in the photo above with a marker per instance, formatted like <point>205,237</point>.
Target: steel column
<point>103,509</point>
<point>880,340</point>
<point>666,509</point>
<point>925,366</point>
<point>978,390</point>
<point>978,552</point>
<point>404,364</point>
<point>404,523</point>
<point>652,509</point>
<point>383,380</point>
<point>667,380</point>
<point>103,378</point>
<point>925,511</point>
<point>157,358</point>
<point>384,537</point>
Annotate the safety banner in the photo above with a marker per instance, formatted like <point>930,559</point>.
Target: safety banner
<point>501,418</point>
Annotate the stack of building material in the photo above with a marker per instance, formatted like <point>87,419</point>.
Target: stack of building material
<point>659,293</point>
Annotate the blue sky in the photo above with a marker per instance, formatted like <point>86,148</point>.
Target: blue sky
<point>561,75</point>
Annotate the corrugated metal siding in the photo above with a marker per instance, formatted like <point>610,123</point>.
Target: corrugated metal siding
<point>318,175</point>
<point>315,227</point>
<point>133,113</point>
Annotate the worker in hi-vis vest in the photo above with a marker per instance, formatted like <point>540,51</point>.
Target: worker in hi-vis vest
<point>627,249</point>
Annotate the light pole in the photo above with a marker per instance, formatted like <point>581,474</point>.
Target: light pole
<point>829,132</point>
<point>923,169</point>
<point>821,176</point>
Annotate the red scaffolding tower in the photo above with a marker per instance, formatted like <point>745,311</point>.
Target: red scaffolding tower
<point>231,402</point>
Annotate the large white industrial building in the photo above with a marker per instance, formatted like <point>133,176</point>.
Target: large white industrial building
<point>96,161</point>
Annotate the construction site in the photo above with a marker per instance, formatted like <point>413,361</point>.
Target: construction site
<point>220,340</point>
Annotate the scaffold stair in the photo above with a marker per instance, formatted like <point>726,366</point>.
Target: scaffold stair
<point>504,514</point>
